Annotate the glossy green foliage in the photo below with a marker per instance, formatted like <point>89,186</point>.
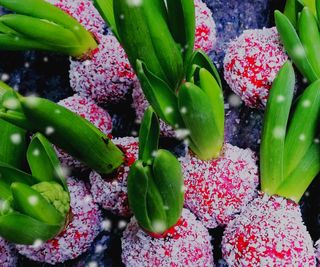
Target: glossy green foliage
<point>42,26</point>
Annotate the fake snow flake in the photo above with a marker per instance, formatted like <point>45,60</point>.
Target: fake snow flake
<point>111,193</point>
<point>82,229</point>
<point>269,232</point>
<point>8,257</point>
<point>188,244</point>
<point>134,3</point>
<point>252,62</point>
<point>5,77</point>
<point>84,12</point>
<point>107,77</point>
<point>16,139</point>
<point>90,111</point>
<point>217,189</point>
<point>205,27</point>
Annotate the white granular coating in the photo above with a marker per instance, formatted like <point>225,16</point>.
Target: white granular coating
<point>317,251</point>
<point>189,245</point>
<point>90,111</point>
<point>84,12</point>
<point>205,27</point>
<point>218,189</point>
<point>8,257</point>
<point>107,77</point>
<point>269,232</point>
<point>252,62</point>
<point>112,195</point>
<point>78,235</point>
<point>140,104</point>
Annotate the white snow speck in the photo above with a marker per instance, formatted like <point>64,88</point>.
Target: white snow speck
<point>306,103</point>
<point>36,152</point>
<point>5,77</point>
<point>122,224</point>
<point>49,130</point>
<point>33,200</point>
<point>16,139</point>
<point>134,3</point>
<point>278,132</point>
<point>280,98</point>
<point>106,225</point>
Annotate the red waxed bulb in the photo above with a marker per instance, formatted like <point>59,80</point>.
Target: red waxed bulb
<point>111,192</point>
<point>269,232</point>
<point>187,244</point>
<point>251,64</point>
<point>84,12</point>
<point>218,189</point>
<point>107,77</point>
<point>205,27</point>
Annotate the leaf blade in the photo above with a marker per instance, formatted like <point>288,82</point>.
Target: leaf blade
<point>294,47</point>
<point>148,135</point>
<point>301,135</point>
<point>274,129</point>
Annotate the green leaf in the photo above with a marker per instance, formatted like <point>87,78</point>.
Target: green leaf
<point>199,119</point>
<point>155,192</point>
<point>5,192</point>
<point>145,35</point>
<point>12,138</point>
<point>214,92</point>
<point>73,134</point>
<point>16,118</point>
<point>105,8</point>
<point>310,38</point>
<point>291,11</point>
<point>145,200</point>
<point>61,32</point>
<point>160,96</point>
<point>47,32</point>
<point>294,47</point>
<point>168,52</point>
<point>30,202</point>
<point>21,229</point>
<point>310,4</point>
<point>17,43</point>
<point>155,205</point>
<point>12,144</point>
<point>43,161</point>
<point>9,175</point>
<point>168,178</point>
<point>10,100</point>
<point>302,131</point>
<point>294,186</point>
<point>137,194</point>
<point>318,10</point>
<point>182,12</point>
<point>148,135</point>
<point>200,59</point>
<point>43,10</point>
<point>7,30</point>
<point>274,129</point>
<point>4,88</point>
